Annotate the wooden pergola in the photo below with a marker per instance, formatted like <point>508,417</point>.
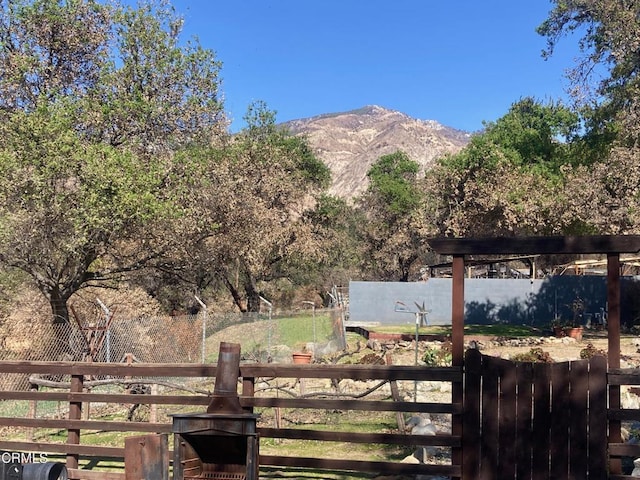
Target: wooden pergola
<point>610,245</point>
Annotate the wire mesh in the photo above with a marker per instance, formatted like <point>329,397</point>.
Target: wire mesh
<point>175,339</point>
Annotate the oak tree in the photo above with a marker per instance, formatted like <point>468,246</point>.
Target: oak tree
<point>606,75</point>
<point>395,231</point>
<point>95,99</point>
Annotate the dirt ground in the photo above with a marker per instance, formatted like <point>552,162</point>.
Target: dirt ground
<point>561,349</point>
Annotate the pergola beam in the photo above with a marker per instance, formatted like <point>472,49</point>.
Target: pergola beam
<point>604,244</point>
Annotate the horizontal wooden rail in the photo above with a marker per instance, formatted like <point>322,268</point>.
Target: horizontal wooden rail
<point>351,437</point>
<point>360,465</point>
<point>105,426</point>
<point>331,404</point>
<point>295,434</point>
<point>624,414</point>
<point>249,373</point>
<point>623,376</point>
<point>110,369</point>
<point>354,372</point>
<point>63,448</point>
<point>624,450</point>
<point>196,400</point>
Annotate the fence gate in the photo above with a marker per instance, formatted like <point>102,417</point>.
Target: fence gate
<point>530,421</point>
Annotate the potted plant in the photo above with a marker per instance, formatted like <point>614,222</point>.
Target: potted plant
<point>302,356</point>
<point>574,328</point>
<point>557,326</point>
<point>567,329</point>
<point>570,328</point>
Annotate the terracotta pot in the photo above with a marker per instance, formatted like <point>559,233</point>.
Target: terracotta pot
<point>301,357</point>
<point>574,332</point>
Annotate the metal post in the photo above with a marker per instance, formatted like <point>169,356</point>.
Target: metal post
<point>270,306</point>
<point>204,326</point>
<point>313,316</point>
<point>107,316</point>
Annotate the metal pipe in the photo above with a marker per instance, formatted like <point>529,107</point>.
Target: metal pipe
<point>225,391</point>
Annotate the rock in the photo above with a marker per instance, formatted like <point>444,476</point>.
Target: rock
<point>410,459</point>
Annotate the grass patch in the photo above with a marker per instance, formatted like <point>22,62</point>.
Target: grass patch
<point>495,330</point>
<point>297,331</point>
<point>411,329</point>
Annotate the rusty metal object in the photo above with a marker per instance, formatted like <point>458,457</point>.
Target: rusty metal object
<point>225,392</point>
<point>146,456</point>
<point>221,444</point>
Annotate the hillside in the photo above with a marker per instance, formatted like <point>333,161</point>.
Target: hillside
<point>349,142</point>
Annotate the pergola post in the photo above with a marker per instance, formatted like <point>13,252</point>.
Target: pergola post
<point>613,336</point>
<point>457,345</point>
<point>611,245</point>
<point>457,311</point>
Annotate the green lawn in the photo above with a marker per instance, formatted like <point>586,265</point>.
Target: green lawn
<point>496,330</point>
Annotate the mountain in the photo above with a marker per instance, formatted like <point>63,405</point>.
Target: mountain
<point>350,142</point>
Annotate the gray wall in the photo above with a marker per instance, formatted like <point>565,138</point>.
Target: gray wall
<point>489,300</point>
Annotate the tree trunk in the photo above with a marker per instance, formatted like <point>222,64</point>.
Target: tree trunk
<point>253,296</point>
<point>237,299</point>
<point>59,307</point>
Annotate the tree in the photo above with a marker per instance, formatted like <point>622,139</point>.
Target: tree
<point>255,194</point>
<point>539,136</point>
<point>511,178</point>
<point>607,74</point>
<point>394,233</point>
<point>338,227</point>
<point>94,102</point>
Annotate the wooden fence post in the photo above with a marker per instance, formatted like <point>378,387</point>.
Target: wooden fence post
<point>153,408</point>
<point>395,395</point>
<point>33,411</point>
<point>598,451</point>
<point>471,415</point>
<point>75,413</point>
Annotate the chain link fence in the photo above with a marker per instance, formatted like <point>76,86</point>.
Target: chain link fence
<point>178,339</point>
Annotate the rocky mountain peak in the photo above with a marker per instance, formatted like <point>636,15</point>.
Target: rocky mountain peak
<point>350,142</point>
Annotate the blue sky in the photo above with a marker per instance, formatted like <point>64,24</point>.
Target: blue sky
<point>457,62</point>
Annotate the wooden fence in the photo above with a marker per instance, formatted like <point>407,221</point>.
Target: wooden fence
<point>516,420</point>
<point>78,398</point>
<point>535,420</point>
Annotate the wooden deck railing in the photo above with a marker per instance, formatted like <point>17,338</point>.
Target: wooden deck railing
<point>77,397</point>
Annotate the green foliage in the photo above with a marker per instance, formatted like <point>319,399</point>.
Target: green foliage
<point>393,180</point>
<point>529,173</point>
<point>250,209</point>
<point>531,136</point>
<point>98,100</point>
<point>605,75</point>
<point>438,356</point>
<point>394,232</point>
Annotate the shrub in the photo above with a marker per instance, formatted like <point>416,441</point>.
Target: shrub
<point>590,351</point>
<point>535,355</point>
<point>438,357</point>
